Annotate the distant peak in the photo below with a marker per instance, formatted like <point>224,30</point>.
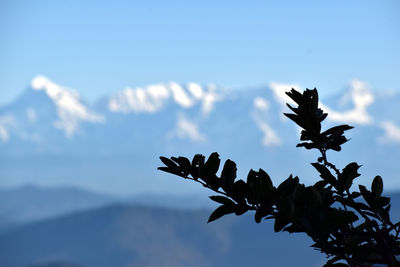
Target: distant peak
<point>70,109</point>
<point>40,82</point>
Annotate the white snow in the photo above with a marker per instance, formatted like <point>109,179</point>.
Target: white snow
<point>359,94</point>
<point>196,90</point>
<point>153,98</point>
<point>392,133</point>
<point>4,136</point>
<point>69,108</point>
<point>361,97</point>
<point>150,99</point>
<point>280,89</point>
<point>186,129</point>
<point>139,99</point>
<point>210,98</point>
<point>180,95</point>
<point>270,137</point>
<point>6,122</point>
<point>261,103</point>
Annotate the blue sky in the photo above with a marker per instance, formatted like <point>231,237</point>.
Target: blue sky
<point>99,47</point>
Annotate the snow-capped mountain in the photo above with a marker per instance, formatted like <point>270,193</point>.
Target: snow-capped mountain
<point>50,135</point>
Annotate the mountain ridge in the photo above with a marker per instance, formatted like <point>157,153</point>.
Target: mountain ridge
<point>41,143</point>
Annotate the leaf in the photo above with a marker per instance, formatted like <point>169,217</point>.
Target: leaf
<point>262,212</point>
<point>325,173</point>
<point>338,130</point>
<point>239,191</point>
<point>264,177</point>
<point>307,145</point>
<point>320,184</point>
<point>295,96</point>
<point>241,208</point>
<point>197,165</point>
<point>280,223</point>
<point>212,164</point>
<point>314,197</point>
<point>377,186</point>
<point>252,183</point>
<point>299,121</point>
<point>366,194</point>
<point>166,169</point>
<point>228,175</point>
<point>221,211</point>
<point>222,200</point>
<point>169,163</point>
<point>184,164</point>
<point>288,184</point>
<point>349,173</point>
<point>286,207</point>
<point>212,181</point>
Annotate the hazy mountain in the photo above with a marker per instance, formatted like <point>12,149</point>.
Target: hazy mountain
<point>142,236</point>
<point>50,134</point>
<point>29,203</point>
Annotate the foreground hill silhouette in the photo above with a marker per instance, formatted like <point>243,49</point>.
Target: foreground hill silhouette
<point>123,235</point>
<point>80,238</point>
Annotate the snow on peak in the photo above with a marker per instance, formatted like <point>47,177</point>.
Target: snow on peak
<point>152,98</point>
<point>139,99</point>
<point>186,129</point>
<point>359,94</point>
<point>261,107</point>
<point>6,122</point>
<point>361,97</point>
<point>280,89</point>
<point>69,108</point>
<point>392,132</point>
<point>261,103</point>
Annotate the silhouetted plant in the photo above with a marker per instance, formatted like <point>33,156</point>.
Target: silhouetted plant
<point>353,228</point>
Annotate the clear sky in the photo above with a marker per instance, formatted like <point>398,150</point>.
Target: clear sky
<point>100,47</point>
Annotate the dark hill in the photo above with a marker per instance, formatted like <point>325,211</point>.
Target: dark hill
<point>122,235</point>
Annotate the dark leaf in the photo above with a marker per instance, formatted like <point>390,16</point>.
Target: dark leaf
<point>325,173</point>
<point>260,213</point>
<point>286,207</point>
<point>173,171</point>
<point>295,96</point>
<point>349,173</point>
<point>239,191</point>
<point>169,163</point>
<point>264,177</point>
<point>222,200</point>
<point>280,223</point>
<point>184,164</point>
<point>228,175</point>
<point>241,208</point>
<point>366,194</point>
<point>377,186</point>
<point>338,130</point>
<point>299,121</point>
<point>221,211</point>
<point>197,165</point>
<point>320,184</point>
<point>212,164</point>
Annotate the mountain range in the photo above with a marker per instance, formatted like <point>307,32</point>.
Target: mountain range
<point>69,227</point>
<point>64,227</point>
<point>51,136</point>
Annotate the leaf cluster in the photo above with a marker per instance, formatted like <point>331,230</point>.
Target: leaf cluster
<point>353,228</point>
